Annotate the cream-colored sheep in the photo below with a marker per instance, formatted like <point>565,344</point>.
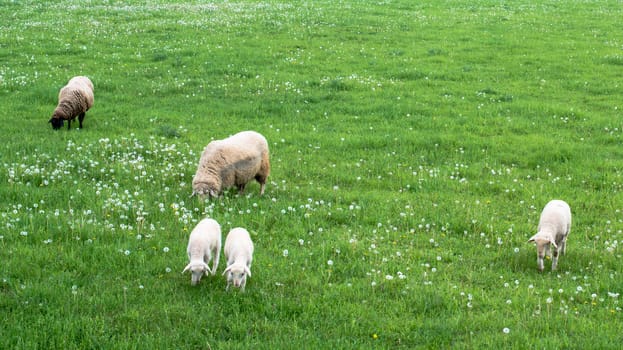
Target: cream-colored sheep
<point>553,229</point>
<point>74,100</point>
<point>204,244</point>
<point>233,161</point>
<point>239,255</point>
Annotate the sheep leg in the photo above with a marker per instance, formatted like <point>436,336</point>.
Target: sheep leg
<point>81,118</point>
<point>563,246</point>
<point>68,124</point>
<point>241,188</point>
<point>217,254</point>
<point>555,260</point>
<point>262,180</point>
<point>539,262</point>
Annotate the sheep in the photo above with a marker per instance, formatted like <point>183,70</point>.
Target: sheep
<point>74,100</point>
<point>239,255</point>
<point>204,244</point>
<point>233,161</point>
<point>553,229</point>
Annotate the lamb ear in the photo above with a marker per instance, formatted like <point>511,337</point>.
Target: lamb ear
<point>247,270</point>
<point>533,238</point>
<point>186,268</point>
<point>227,270</point>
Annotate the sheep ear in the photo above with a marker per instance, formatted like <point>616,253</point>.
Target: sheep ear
<point>533,238</point>
<point>213,193</point>
<point>247,270</point>
<point>227,270</point>
<point>193,194</point>
<point>207,269</point>
<point>186,268</point>
<point>551,241</point>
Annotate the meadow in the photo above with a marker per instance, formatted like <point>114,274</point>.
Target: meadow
<point>413,146</point>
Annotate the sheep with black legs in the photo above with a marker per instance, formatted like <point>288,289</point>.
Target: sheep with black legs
<point>233,161</point>
<point>204,244</point>
<point>553,230</point>
<point>74,100</point>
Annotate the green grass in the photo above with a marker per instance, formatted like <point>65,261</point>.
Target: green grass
<point>413,145</point>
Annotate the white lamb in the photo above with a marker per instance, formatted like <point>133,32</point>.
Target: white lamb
<point>204,244</point>
<point>553,229</point>
<point>239,255</point>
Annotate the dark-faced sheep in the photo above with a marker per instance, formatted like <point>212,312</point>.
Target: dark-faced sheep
<point>233,161</point>
<point>74,100</point>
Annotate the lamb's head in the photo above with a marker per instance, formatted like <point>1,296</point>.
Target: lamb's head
<point>57,119</point>
<point>237,275</point>
<point>197,270</point>
<point>543,242</point>
<point>208,187</point>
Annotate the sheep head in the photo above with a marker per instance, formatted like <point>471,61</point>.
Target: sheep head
<point>208,188</point>
<point>197,270</point>
<point>543,242</point>
<point>237,275</point>
<point>56,121</point>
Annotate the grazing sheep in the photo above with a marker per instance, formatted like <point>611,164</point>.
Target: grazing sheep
<point>553,229</point>
<point>74,100</point>
<point>239,254</point>
<point>233,161</point>
<point>204,244</point>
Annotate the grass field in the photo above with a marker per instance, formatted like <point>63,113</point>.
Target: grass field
<point>413,146</point>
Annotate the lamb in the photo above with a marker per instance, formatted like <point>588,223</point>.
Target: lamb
<point>239,255</point>
<point>204,244</point>
<point>74,100</point>
<point>553,229</point>
<point>233,161</point>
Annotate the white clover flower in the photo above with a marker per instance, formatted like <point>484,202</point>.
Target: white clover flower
<point>330,262</point>
<point>285,253</point>
<point>165,249</point>
<point>389,277</point>
<point>506,330</point>
<point>127,252</point>
<point>167,270</point>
